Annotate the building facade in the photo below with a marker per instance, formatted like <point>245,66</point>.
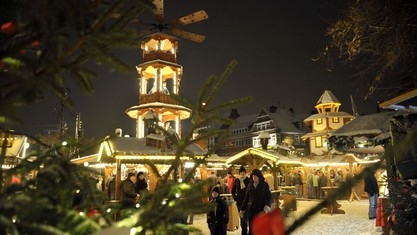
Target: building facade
<point>278,126</point>
<point>328,119</point>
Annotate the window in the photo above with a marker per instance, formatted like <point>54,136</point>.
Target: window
<point>263,126</point>
<point>296,139</point>
<point>319,121</point>
<point>319,142</point>
<point>335,120</point>
<point>256,142</point>
<point>278,136</point>
<point>273,140</point>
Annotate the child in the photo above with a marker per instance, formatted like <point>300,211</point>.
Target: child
<point>218,218</point>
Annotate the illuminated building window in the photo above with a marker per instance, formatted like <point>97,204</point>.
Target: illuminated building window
<point>319,121</point>
<point>335,120</point>
<point>273,139</point>
<point>256,142</point>
<point>319,142</point>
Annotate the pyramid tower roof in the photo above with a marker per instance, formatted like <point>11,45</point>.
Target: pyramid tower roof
<point>327,97</point>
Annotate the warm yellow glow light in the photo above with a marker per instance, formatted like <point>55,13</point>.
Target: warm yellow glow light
<point>133,231</point>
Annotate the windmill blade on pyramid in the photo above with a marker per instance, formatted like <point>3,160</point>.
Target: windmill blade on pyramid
<point>189,19</point>
<point>158,11</point>
<point>187,35</point>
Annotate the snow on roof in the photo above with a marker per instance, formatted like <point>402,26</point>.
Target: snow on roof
<point>327,97</point>
<point>284,120</point>
<point>136,149</point>
<point>328,115</point>
<point>373,124</point>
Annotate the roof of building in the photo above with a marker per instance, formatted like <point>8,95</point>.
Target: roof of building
<point>327,97</point>
<point>328,115</point>
<point>285,120</point>
<point>374,124</point>
<point>135,150</point>
<point>406,100</point>
<point>252,155</point>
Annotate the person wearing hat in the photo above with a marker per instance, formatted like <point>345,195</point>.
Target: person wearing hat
<point>238,194</point>
<point>258,197</point>
<point>218,218</point>
<point>128,195</point>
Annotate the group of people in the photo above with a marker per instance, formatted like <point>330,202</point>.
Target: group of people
<point>316,179</point>
<point>132,188</point>
<point>252,195</point>
<point>225,184</point>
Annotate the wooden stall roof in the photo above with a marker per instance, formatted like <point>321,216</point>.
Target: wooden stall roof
<point>93,159</point>
<point>253,157</point>
<point>256,158</point>
<point>328,160</point>
<point>214,158</point>
<point>135,150</point>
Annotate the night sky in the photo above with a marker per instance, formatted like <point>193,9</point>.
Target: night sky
<point>273,42</point>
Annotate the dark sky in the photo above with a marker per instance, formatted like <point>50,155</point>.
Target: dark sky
<point>273,42</point>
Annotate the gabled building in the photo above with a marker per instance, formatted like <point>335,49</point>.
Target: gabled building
<point>324,123</point>
<point>395,123</point>
<point>279,126</point>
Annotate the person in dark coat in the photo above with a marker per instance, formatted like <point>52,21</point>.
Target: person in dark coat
<point>111,187</point>
<point>322,183</point>
<point>258,197</point>
<point>218,218</point>
<point>371,187</point>
<point>128,195</point>
<point>141,184</point>
<point>238,194</point>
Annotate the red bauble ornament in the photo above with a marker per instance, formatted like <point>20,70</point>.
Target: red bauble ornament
<point>8,27</point>
<point>35,43</point>
<point>271,223</point>
<point>92,212</point>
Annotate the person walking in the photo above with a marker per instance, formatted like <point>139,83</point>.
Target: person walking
<point>338,179</point>
<point>316,188</point>
<point>322,183</point>
<point>310,184</point>
<point>352,191</point>
<point>218,218</point>
<point>371,187</point>
<point>238,194</point>
<point>111,187</point>
<point>211,181</point>
<point>298,182</point>
<point>230,181</point>
<point>332,175</point>
<point>128,195</point>
<point>258,197</point>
